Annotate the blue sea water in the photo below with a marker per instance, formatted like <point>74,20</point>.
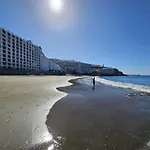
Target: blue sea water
<point>139,80</point>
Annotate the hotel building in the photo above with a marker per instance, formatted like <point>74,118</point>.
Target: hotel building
<point>17,53</point>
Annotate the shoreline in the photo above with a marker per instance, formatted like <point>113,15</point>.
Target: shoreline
<point>98,116</point>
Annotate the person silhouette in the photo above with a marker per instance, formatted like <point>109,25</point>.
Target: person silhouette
<point>93,83</point>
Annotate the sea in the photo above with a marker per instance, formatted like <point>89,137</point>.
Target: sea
<point>136,82</point>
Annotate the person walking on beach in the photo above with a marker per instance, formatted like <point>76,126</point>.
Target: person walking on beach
<point>93,83</point>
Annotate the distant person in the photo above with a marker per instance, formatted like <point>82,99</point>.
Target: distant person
<point>93,83</point>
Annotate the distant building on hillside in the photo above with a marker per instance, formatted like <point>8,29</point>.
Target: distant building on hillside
<point>71,66</point>
<point>53,66</point>
<point>107,71</point>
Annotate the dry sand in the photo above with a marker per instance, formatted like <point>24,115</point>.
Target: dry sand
<point>24,103</point>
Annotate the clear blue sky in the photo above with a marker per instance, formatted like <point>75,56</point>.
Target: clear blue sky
<point>111,32</point>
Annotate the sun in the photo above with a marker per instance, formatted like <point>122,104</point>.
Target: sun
<point>56,5</point>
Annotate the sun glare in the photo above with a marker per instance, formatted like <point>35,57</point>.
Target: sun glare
<point>56,5</point>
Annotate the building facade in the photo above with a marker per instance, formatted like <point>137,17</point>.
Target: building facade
<point>53,66</point>
<point>21,54</point>
<point>71,66</point>
<point>44,62</point>
<point>18,53</point>
<point>47,65</point>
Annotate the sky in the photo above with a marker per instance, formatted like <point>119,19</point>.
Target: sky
<point>115,33</point>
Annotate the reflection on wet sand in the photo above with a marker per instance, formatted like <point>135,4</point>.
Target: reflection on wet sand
<point>80,122</point>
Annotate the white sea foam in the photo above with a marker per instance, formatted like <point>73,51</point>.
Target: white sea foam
<point>146,147</point>
<point>148,144</point>
<point>140,88</point>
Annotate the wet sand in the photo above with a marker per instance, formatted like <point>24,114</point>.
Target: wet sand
<point>103,119</point>
<point>24,103</point>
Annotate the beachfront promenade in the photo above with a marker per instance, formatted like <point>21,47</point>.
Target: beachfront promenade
<point>24,103</point>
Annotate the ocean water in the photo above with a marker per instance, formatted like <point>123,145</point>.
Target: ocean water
<point>139,80</point>
<point>138,83</point>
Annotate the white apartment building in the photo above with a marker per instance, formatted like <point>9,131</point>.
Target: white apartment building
<point>18,53</point>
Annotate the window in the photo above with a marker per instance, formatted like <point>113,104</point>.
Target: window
<point>4,59</point>
<point>8,60</point>
<point>9,41</point>
<point>8,34</point>
<point>4,55</point>
<point>8,56</point>
<point>4,36</point>
<point>4,63</point>
<point>4,51</point>
<point>3,31</point>
<point>8,52</point>
<point>8,38</point>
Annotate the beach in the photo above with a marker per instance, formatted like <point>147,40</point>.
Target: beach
<point>24,103</point>
<point>50,113</point>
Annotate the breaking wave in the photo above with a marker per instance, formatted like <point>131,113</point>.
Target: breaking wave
<point>136,87</point>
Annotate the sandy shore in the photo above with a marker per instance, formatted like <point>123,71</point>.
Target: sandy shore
<point>24,103</point>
